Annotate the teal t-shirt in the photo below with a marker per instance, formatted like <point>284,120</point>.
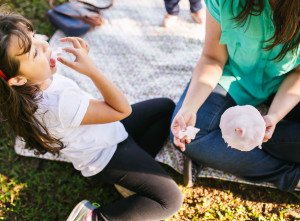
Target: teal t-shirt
<point>250,75</point>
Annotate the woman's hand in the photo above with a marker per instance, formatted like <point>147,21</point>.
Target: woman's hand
<point>271,123</point>
<point>82,63</point>
<point>181,121</point>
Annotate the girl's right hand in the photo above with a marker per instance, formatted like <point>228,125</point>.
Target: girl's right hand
<point>181,121</point>
<point>82,63</point>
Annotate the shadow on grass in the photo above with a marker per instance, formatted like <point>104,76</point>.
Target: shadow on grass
<point>243,191</point>
<point>49,189</point>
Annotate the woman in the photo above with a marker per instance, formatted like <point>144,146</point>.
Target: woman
<point>250,54</point>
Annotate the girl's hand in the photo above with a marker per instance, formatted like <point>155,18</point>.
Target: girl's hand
<point>181,121</point>
<point>75,40</point>
<point>271,123</point>
<point>82,63</point>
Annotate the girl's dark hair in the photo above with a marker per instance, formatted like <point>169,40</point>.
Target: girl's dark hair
<point>285,19</point>
<point>19,103</point>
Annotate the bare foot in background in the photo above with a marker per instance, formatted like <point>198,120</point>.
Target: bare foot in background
<point>169,20</point>
<point>199,16</point>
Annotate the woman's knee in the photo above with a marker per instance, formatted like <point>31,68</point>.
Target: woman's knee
<point>200,147</point>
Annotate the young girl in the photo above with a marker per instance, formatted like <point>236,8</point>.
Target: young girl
<point>52,114</point>
<point>251,53</point>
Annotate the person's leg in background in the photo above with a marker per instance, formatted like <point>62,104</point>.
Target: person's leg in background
<point>172,9</point>
<point>197,11</point>
<point>149,123</point>
<point>209,148</point>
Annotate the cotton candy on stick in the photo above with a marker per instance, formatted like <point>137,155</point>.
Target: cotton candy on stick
<point>57,53</point>
<point>190,133</point>
<point>243,127</point>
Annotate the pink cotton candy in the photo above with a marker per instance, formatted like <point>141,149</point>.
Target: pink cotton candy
<point>59,52</point>
<point>56,53</point>
<point>243,127</point>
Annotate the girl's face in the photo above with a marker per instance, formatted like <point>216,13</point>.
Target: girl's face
<point>36,66</point>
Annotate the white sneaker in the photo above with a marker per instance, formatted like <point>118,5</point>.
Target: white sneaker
<point>83,211</point>
<point>169,20</point>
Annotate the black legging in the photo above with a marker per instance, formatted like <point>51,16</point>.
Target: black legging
<point>157,195</point>
<point>149,123</point>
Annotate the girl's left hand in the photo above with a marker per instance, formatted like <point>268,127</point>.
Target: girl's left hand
<point>82,63</point>
<point>270,127</point>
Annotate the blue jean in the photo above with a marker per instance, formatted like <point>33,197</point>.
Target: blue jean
<point>172,6</point>
<point>270,164</point>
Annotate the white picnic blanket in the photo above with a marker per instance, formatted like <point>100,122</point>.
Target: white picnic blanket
<point>144,60</point>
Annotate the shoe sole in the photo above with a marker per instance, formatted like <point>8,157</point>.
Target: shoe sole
<point>76,210</point>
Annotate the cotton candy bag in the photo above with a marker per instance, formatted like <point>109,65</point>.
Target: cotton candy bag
<point>243,127</point>
<point>190,132</point>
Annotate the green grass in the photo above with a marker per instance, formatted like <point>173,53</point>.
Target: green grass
<point>34,189</point>
<point>34,10</point>
<point>40,190</point>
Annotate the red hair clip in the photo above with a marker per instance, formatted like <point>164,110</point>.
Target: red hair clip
<point>3,75</point>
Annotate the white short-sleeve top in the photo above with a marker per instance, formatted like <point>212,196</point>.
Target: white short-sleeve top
<point>88,147</point>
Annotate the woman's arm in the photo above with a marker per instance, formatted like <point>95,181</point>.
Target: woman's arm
<point>286,98</point>
<point>205,77</point>
<point>115,106</point>
<point>209,67</point>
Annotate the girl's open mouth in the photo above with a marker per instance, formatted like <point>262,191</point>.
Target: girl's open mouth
<point>52,62</point>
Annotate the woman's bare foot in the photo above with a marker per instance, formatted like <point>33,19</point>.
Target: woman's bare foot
<point>169,20</point>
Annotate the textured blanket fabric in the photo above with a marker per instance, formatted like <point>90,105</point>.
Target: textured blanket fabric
<point>144,60</point>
